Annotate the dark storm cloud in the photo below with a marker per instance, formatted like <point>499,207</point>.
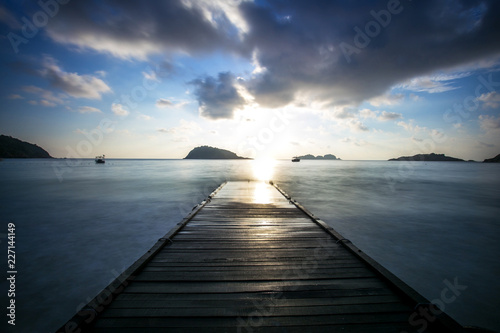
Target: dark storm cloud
<point>133,29</point>
<point>314,46</point>
<point>218,97</point>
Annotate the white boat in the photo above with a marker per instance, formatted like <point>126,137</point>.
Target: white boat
<point>100,159</point>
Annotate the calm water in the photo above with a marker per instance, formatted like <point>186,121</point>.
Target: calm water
<point>79,225</point>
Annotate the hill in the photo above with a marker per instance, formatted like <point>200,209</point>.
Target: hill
<point>212,153</point>
<point>495,159</point>
<point>14,148</point>
<point>428,158</point>
<point>319,157</point>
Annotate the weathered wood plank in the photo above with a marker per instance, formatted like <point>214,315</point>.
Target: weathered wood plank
<point>253,260</point>
<point>304,321</point>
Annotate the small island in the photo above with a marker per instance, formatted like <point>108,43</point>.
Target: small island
<point>432,157</point>
<point>495,159</point>
<point>319,157</point>
<point>212,153</point>
<point>14,148</point>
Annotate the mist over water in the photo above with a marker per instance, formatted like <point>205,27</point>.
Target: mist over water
<point>425,222</point>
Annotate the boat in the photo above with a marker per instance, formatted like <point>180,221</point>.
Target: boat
<point>100,159</point>
<point>295,159</point>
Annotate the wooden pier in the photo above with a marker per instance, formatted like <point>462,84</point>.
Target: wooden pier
<point>250,259</point>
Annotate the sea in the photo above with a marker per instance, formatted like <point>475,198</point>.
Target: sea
<point>78,224</point>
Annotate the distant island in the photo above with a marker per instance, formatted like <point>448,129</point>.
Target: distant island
<point>319,157</point>
<point>14,148</point>
<point>428,158</point>
<point>212,153</point>
<point>495,159</point>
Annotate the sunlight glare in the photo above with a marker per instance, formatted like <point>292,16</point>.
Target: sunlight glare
<point>263,169</point>
<point>262,194</point>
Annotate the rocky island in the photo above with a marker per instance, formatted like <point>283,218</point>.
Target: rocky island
<point>14,148</point>
<point>212,153</point>
<point>495,159</point>
<point>432,157</point>
<point>319,157</point>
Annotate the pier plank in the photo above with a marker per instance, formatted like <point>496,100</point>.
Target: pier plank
<point>250,259</point>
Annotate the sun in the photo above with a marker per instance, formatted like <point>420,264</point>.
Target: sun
<point>263,168</point>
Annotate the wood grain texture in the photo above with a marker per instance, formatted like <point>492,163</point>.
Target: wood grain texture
<point>250,260</point>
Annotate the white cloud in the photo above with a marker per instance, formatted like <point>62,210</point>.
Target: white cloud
<point>163,103</point>
<point>44,102</point>
<point>183,132</point>
<point>151,76</point>
<point>411,127</point>
<point>119,110</point>
<point>354,141</point>
<point>15,96</point>
<point>357,125</point>
<point>75,85</point>
<point>343,112</point>
<point>437,83</point>
<point>46,95</point>
<point>88,109</point>
<point>385,116</point>
<point>367,113</point>
<point>490,100</point>
<point>387,100</point>
<point>415,97</point>
<point>145,117</point>
<point>489,123</point>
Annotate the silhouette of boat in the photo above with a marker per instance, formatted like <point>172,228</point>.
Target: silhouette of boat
<point>100,159</point>
<point>295,159</point>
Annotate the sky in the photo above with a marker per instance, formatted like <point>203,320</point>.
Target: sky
<point>363,80</point>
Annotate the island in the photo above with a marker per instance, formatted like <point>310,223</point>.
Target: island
<point>495,159</point>
<point>432,157</point>
<point>212,153</point>
<point>14,148</point>
<point>319,157</point>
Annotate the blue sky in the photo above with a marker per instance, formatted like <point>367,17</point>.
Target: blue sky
<point>361,80</point>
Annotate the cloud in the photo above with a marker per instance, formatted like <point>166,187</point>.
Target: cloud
<point>119,110</point>
<point>387,100</point>
<point>145,117</point>
<point>183,132</point>
<point>9,19</point>
<point>411,127</point>
<point>44,94</point>
<point>354,141</point>
<point>163,103</point>
<point>434,84</point>
<point>88,109</point>
<point>299,50</point>
<point>295,46</point>
<point>151,76</point>
<point>75,85</point>
<point>132,29</point>
<point>218,98</point>
<point>385,116</point>
<point>490,100</point>
<point>481,144</point>
<point>15,96</point>
<point>367,113</point>
<point>489,123</point>
<point>44,102</point>
<point>357,126</point>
